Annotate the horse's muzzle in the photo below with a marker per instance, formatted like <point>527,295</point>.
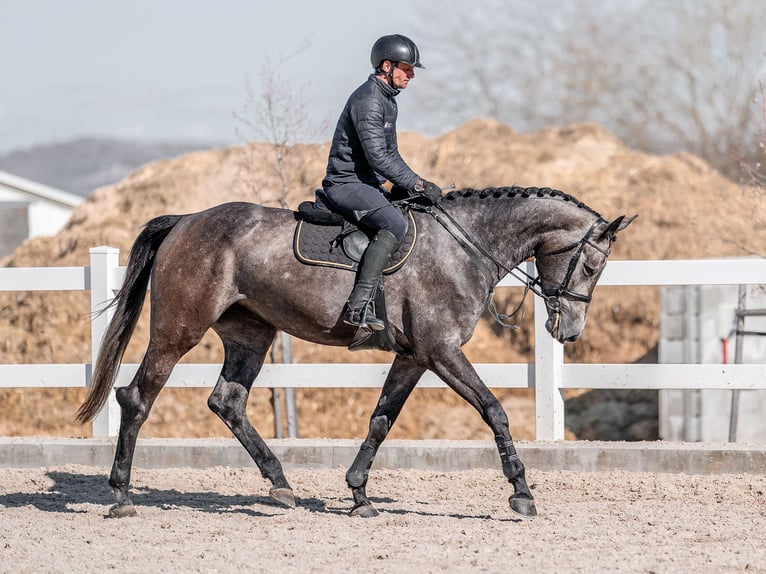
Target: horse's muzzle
<point>553,323</point>
<point>553,326</point>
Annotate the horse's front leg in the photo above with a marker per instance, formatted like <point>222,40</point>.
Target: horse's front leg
<point>452,366</point>
<point>402,378</point>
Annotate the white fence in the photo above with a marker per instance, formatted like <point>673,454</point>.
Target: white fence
<point>548,375</point>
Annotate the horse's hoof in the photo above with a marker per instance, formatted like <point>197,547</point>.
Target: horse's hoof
<point>523,506</point>
<point>122,511</point>
<point>283,496</point>
<point>364,510</point>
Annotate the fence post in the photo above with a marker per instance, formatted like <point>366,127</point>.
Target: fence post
<point>104,260</point>
<point>549,363</point>
<point>290,403</point>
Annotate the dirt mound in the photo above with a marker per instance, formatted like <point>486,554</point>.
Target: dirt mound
<point>687,210</point>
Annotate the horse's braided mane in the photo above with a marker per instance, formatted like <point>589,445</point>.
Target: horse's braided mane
<point>517,191</point>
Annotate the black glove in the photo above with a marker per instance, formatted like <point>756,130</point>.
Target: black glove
<point>429,190</point>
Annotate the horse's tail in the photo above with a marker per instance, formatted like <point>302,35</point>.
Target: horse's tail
<point>128,304</point>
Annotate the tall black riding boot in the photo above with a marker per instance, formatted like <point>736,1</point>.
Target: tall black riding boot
<point>377,255</point>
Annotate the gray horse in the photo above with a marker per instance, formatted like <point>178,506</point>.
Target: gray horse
<point>230,268</point>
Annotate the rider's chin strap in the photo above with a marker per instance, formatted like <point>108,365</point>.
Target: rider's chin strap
<point>389,75</point>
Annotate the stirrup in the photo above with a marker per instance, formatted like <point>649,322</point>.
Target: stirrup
<point>363,319</point>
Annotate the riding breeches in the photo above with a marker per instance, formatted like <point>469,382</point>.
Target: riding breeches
<point>367,206</point>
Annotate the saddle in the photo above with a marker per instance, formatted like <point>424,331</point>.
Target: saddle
<point>325,238</point>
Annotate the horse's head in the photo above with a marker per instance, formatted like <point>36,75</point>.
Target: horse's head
<point>568,272</point>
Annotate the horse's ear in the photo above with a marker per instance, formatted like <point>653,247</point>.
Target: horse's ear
<point>616,226</point>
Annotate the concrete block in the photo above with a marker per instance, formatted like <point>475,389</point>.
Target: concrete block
<point>441,456</point>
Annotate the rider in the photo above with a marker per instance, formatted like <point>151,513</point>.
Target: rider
<point>364,154</point>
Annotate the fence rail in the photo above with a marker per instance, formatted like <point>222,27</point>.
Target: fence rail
<point>548,374</point>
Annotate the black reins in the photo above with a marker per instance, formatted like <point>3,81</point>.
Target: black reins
<point>551,295</point>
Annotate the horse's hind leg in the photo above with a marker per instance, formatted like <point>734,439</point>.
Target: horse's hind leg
<point>246,341</point>
<point>402,378</point>
<point>136,401</point>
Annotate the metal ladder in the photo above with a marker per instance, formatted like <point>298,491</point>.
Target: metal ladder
<point>740,314</point>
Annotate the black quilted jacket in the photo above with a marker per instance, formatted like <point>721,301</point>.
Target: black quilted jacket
<point>364,147</point>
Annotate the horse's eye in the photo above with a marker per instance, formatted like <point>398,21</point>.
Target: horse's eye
<point>589,270</point>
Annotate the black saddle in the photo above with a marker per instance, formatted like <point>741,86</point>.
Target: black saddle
<point>325,238</point>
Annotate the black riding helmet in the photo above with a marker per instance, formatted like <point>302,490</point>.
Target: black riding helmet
<point>396,48</point>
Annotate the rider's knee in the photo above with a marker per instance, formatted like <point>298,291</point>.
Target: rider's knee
<point>398,227</point>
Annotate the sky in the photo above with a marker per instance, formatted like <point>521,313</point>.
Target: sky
<point>169,70</point>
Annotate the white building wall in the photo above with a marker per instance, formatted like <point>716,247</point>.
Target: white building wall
<point>46,218</point>
<point>45,211</point>
<point>694,320</point>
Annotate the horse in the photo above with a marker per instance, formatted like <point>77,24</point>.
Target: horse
<point>230,268</point>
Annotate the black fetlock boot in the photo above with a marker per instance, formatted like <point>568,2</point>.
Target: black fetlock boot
<point>359,309</point>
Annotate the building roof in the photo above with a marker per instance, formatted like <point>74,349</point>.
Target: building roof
<point>38,191</point>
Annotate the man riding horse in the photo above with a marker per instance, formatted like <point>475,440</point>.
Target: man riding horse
<point>363,155</point>
<point>228,268</point>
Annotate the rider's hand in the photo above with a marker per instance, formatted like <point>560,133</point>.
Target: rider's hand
<point>429,190</point>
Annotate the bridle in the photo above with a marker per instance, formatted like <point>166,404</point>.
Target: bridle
<point>562,289</point>
<point>552,295</point>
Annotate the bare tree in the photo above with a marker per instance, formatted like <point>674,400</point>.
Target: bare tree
<point>662,75</point>
<point>753,167</point>
<point>272,124</point>
<point>276,114</point>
